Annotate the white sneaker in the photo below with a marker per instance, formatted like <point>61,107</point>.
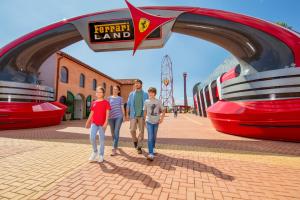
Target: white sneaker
<point>93,157</point>
<point>101,159</point>
<point>154,152</point>
<point>150,157</point>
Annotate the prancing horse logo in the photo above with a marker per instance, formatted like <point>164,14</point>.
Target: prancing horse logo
<point>143,24</point>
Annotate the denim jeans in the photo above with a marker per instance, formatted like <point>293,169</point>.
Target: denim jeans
<point>115,125</point>
<point>93,134</point>
<point>152,133</point>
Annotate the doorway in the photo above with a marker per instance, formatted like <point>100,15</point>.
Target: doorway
<point>78,107</point>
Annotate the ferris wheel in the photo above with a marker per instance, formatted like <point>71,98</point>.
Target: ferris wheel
<point>167,87</point>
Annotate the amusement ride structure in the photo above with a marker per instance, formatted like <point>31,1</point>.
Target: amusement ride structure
<point>166,82</point>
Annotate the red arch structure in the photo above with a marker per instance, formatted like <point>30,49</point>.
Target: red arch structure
<point>261,100</point>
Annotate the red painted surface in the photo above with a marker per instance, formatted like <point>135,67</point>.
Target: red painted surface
<point>290,38</point>
<point>154,23</point>
<point>196,103</point>
<point>228,75</point>
<point>15,115</point>
<point>217,93</point>
<point>273,120</point>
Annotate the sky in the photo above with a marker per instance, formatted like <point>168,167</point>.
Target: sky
<point>196,57</point>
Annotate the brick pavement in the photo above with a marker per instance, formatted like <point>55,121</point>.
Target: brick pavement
<point>194,162</point>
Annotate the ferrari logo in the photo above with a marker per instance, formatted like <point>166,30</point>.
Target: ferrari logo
<point>143,24</point>
<point>166,82</point>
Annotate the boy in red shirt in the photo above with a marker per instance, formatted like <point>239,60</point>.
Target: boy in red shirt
<point>98,120</point>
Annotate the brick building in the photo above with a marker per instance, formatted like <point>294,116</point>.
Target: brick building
<point>75,83</point>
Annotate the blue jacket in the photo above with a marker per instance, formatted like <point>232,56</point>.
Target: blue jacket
<point>130,103</point>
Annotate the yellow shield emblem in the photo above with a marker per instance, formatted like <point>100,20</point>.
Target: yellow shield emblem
<point>166,82</point>
<point>143,24</point>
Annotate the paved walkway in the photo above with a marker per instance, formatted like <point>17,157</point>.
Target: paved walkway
<point>193,162</point>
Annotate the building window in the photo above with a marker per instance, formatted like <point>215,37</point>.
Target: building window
<point>94,84</point>
<point>111,90</point>
<point>104,85</point>
<point>82,80</point>
<point>64,75</point>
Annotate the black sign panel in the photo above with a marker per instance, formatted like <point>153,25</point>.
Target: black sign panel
<point>116,31</point>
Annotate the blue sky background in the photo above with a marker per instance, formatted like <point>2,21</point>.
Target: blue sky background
<point>197,57</point>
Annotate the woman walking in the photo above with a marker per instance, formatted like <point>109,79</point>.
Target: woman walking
<point>97,121</point>
<point>116,117</point>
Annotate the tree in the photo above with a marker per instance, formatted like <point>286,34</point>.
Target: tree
<point>284,24</point>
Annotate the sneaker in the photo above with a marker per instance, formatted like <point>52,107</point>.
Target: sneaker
<point>113,152</point>
<point>150,157</point>
<point>135,144</point>
<point>139,150</point>
<point>101,159</point>
<point>154,152</point>
<point>93,157</point>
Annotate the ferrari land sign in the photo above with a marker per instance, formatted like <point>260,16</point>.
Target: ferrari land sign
<point>118,30</point>
<point>126,30</point>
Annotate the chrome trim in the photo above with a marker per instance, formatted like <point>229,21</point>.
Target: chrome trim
<point>19,91</point>
<point>202,112</point>
<point>262,75</point>
<point>270,99</point>
<point>25,92</point>
<point>26,86</point>
<point>9,97</point>
<point>219,86</point>
<point>204,97</point>
<point>265,83</point>
<point>210,94</point>
<point>260,92</point>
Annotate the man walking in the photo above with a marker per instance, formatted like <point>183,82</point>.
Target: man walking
<point>135,106</point>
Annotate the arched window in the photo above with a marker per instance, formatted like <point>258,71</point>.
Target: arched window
<point>82,80</point>
<point>104,85</point>
<point>111,90</point>
<point>64,75</point>
<point>94,84</point>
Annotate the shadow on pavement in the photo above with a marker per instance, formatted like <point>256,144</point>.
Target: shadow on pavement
<point>167,163</point>
<point>260,147</point>
<point>129,174</point>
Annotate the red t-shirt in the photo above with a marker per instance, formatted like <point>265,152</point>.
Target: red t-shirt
<point>99,108</point>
